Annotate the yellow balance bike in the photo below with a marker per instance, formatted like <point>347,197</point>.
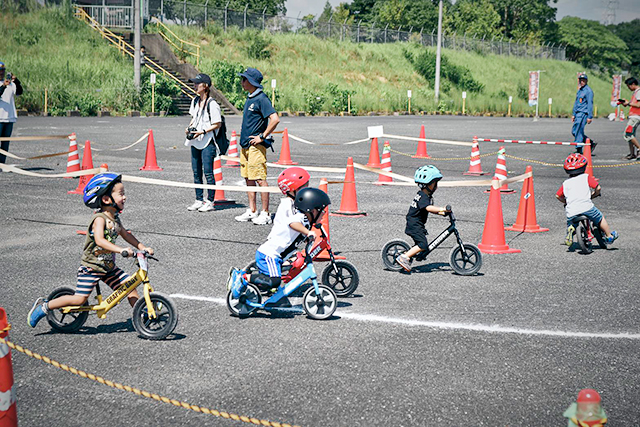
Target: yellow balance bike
<point>154,315</point>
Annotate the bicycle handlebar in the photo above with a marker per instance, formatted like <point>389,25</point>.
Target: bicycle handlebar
<point>126,253</point>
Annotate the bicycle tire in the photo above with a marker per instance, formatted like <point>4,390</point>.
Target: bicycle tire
<point>58,320</point>
<point>466,264</point>
<point>582,235</point>
<point>391,250</point>
<point>165,321</point>
<point>342,284</point>
<point>597,233</point>
<point>320,307</point>
<point>237,306</point>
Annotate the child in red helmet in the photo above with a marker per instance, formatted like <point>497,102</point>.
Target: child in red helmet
<point>288,224</point>
<point>576,194</point>
<point>586,411</point>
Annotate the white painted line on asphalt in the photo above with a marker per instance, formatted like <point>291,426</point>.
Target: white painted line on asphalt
<point>451,325</point>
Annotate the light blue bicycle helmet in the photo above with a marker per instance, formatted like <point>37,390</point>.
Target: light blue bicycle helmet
<point>99,186</point>
<point>426,174</point>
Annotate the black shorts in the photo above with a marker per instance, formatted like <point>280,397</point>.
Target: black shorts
<point>419,236</point>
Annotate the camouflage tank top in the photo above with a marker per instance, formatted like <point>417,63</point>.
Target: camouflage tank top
<point>95,257</point>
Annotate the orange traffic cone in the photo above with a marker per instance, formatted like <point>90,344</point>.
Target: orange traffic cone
<point>349,201</point>
<point>421,153</point>
<point>150,162</point>
<point>87,163</point>
<point>285,155</point>
<point>8,405</point>
<point>493,240</point>
<point>219,198</point>
<point>475,166</point>
<point>73,160</point>
<point>324,255</point>
<point>386,165</point>
<point>526,220</point>
<point>374,154</point>
<point>501,172</point>
<point>587,154</point>
<point>233,152</point>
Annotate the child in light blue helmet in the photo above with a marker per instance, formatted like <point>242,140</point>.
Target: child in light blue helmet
<point>427,178</point>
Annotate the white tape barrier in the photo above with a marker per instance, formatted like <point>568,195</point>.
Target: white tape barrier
<point>244,189</point>
<point>44,156</point>
<point>33,138</point>
<point>437,141</point>
<point>385,173</point>
<point>475,183</point>
<point>14,169</point>
<point>308,168</point>
<point>304,141</point>
<point>142,138</point>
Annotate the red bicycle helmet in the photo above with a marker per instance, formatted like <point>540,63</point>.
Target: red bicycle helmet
<point>588,395</point>
<point>293,179</point>
<point>574,162</point>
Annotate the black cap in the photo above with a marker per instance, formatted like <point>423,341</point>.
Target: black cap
<point>201,78</point>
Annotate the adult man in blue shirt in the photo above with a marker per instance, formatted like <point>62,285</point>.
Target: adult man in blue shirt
<point>259,120</point>
<point>582,111</point>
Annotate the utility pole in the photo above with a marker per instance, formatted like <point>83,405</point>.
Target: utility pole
<point>136,43</point>
<point>437,87</point>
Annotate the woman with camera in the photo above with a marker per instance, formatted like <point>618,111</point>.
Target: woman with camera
<point>205,119</point>
<point>10,87</point>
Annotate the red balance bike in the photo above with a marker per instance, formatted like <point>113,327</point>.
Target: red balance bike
<point>339,275</point>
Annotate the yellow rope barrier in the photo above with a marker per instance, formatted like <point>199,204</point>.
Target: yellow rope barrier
<point>154,396</point>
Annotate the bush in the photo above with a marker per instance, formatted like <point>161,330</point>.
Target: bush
<point>88,105</point>
<point>258,47</point>
<point>340,98</point>
<point>460,76</point>
<point>314,102</point>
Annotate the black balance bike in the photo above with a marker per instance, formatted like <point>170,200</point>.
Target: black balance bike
<point>465,258</point>
<point>586,232</point>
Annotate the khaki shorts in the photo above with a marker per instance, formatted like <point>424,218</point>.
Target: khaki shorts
<point>630,130</point>
<point>253,162</point>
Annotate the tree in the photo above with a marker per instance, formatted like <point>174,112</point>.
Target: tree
<point>363,10</point>
<point>530,20</point>
<point>326,13</point>
<point>393,13</point>
<point>591,43</point>
<point>274,7</point>
<point>474,17</point>
<point>342,12</point>
<point>629,32</point>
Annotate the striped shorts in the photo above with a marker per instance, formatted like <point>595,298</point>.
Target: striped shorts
<point>88,279</point>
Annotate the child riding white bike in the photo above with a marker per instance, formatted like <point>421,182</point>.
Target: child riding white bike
<point>576,194</point>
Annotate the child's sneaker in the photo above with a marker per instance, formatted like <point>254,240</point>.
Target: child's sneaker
<point>206,207</point>
<point>569,239</point>
<point>404,262</point>
<point>238,285</point>
<point>263,219</point>
<point>609,240</point>
<point>36,313</point>
<point>196,205</point>
<point>247,216</point>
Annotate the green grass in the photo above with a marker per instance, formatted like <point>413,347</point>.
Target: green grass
<point>381,75</point>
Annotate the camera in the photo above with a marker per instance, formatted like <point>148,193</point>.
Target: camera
<point>9,76</point>
<point>192,133</point>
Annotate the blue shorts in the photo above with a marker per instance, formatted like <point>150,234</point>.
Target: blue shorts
<point>593,214</point>
<point>270,266</point>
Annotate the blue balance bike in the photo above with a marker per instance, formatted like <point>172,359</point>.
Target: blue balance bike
<point>319,301</point>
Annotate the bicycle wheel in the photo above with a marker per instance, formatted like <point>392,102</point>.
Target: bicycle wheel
<point>165,321</point>
<point>467,262</point>
<point>238,306</point>
<point>344,281</point>
<point>582,235</point>
<point>69,322</point>
<point>390,252</point>
<point>597,233</point>
<point>320,307</point>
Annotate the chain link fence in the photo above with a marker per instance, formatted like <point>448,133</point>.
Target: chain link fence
<point>187,13</point>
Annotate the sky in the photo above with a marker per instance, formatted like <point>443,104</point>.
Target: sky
<point>627,10</point>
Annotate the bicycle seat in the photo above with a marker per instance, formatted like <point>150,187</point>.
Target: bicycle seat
<point>579,218</point>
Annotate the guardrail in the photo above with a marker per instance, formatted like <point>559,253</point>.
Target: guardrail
<point>127,49</point>
<point>177,39</point>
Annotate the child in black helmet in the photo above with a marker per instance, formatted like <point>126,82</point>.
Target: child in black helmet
<point>427,178</point>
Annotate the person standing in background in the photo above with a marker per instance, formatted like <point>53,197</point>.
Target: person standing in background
<point>634,118</point>
<point>10,87</point>
<point>582,111</point>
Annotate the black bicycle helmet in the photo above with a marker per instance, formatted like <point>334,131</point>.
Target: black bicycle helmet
<point>309,199</point>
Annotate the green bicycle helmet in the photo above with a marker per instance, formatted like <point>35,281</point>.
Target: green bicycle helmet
<point>427,174</point>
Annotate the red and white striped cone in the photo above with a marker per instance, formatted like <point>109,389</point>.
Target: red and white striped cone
<point>501,172</point>
<point>219,198</point>
<point>8,406</point>
<point>475,167</point>
<point>386,165</point>
<point>233,152</point>
<point>73,160</point>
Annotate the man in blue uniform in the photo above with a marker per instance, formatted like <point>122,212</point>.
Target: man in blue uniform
<point>582,111</point>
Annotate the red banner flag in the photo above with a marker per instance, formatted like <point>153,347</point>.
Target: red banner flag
<point>534,82</point>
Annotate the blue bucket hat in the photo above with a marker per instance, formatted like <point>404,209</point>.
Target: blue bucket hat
<point>1,65</point>
<point>253,76</point>
<point>583,77</point>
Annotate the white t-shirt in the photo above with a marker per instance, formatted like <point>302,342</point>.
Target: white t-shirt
<point>281,235</point>
<point>577,192</point>
<point>203,120</point>
<point>8,112</point>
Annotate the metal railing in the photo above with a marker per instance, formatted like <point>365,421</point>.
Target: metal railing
<point>110,16</point>
<point>127,49</point>
<point>182,12</point>
<point>178,43</point>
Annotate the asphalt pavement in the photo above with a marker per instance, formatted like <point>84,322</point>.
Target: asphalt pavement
<point>512,345</point>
